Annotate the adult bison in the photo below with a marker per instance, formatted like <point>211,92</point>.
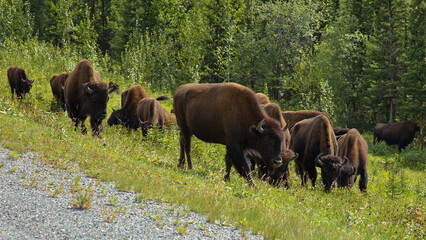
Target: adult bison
<point>228,114</point>
<point>126,115</point>
<point>353,147</point>
<point>401,134</point>
<point>57,84</point>
<point>292,117</point>
<point>151,113</point>
<point>282,173</point>
<point>314,140</point>
<point>18,81</point>
<point>86,95</point>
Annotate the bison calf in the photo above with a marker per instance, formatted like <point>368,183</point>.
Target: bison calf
<point>228,114</point>
<point>151,113</point>
<point>18,81</point>
<point>353,147</point>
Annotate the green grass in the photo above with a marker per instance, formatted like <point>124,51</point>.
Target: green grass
<point>393,208</point>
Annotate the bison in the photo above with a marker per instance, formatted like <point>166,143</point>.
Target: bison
<point>150,112</point>
<point>57,83</point>
<point>401,134</point>
<point>263,99</point>
<point>86,95</point>
<point>338,131</point>
<point>126,115</point>
<point>353,147</point>
<point>228,114</point>
<point>18,81</point>
<point>314,140</point>
<point>292,117</point>
<point>282,173</point>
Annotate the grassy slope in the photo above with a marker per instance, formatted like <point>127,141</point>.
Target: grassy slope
<point>393,208</point>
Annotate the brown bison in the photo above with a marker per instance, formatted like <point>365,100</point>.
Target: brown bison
<point>127,115</point>
<point>150,113</point>
<point>282,173</point>
<point>263,99</point>
<point>314,140</point>
<point>129,102</point>
<point>57,83</point>
<point>292,117</point>
<point>401,134</point>
<point>86,95</point>
<point>18,81</point>
<point>228,114</point>
<point>353,147</point>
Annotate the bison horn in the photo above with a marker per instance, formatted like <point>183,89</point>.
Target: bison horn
<point>296,155</point>
<point>318,160</point>
<point>259,126</point>
<point>345,160</point>
<point>87,88</point>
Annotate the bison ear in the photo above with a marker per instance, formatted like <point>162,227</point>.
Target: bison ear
<point>87,88</point>
<point>318,160</point>
<point>345,160</point>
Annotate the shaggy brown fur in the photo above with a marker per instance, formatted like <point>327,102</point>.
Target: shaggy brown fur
<point>353,146</point>
<point>263,99</point>
<point>227,113</point>
<point>314,140</point>
<point>18,81</point>
<point>86,95</point>
<point>57,84</point>
<point>150,112</point>
<point>292,117</point>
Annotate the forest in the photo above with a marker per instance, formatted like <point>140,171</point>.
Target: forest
<point>361,62</point>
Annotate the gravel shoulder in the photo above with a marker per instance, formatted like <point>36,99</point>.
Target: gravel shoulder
<point>36,203</point>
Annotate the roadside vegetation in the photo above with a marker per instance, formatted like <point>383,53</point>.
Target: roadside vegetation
<point>393,208</point>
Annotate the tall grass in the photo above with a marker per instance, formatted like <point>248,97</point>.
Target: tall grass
<point>393,208</point>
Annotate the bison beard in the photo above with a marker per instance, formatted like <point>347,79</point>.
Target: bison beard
<point>228,114</point>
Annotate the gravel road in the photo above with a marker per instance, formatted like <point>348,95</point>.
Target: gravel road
<point>36,203</point>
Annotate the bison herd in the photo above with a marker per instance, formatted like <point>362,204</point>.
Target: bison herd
<point>255,132</point>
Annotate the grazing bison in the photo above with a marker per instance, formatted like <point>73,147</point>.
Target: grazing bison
<point>292,117</point>
<point>401,134</point>
<point>18,81</point>
<point>353,147</point>
<point>282,173</point>
<point>150,112</point>
<point>127,115</point>
<point>57,83</point>
<point>263,99</point>
<point>314,140</point>
<point>86,95</point>
<point>228,114</point>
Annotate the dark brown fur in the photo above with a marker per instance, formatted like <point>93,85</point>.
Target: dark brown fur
<point>353,146</point>
<point>57,84</point>
<point>127,114</point>
<point>401,134</point>
<point>282,173</point>
<point>310,138</point>
<point>86,95</point>
<point>150,112</point>
<point>227,113</point>
<point>18,81</point>
<point>292,117</point>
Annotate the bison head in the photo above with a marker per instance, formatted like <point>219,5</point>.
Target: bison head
<point>269,138</point>
<point>117,117</point>
<point>26,85</point>
<point>330,168</point>
<point>347,176</point>
<point>96,94</point>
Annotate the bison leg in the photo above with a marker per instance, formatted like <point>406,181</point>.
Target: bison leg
<point>13,91</point>
<point>312,172</point>
<point>185,148</point>
<point>228,162</point>
<point>363,180</point>
<point>240,162</point>
<point>83,126</point>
